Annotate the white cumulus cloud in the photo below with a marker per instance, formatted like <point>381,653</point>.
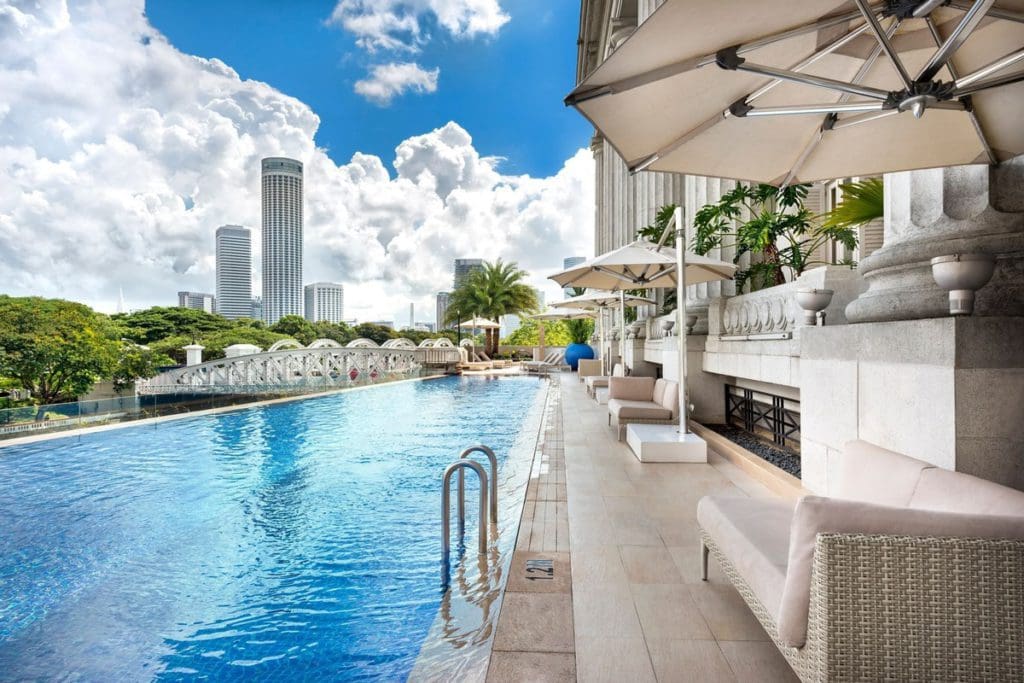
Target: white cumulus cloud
<point>120,156</point>
<point>398,24</point>
<point>387,81</point>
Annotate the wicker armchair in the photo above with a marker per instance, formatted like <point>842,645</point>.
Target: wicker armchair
<point>914,573</point>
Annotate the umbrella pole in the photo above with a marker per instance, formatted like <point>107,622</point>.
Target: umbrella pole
<point>622,327</point>
<point>684,399</point>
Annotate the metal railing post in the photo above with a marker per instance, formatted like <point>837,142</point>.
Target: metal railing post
<point>486,450</point>
<point>446,504</point>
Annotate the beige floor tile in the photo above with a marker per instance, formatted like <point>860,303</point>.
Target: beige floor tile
<point>726,612</point>
<point>613,660</point>
<point>649,564</point>
<point>535,622</point>
<point>605,610</point>
<point>597,565</point>
<point>526,576</point>
<point>531,667</point>
<point>689,661</point>
<point>757,662</point>
<point>668,611</point>
<point>687,559</point>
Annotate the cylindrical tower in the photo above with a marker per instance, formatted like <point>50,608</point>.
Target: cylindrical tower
<point>282,238</point>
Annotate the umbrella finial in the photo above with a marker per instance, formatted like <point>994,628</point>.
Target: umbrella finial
<point>917,108</point>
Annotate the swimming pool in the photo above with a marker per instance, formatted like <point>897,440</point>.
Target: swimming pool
<point>292,541</point>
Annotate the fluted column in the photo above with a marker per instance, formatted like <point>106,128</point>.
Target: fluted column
<point>961,209</point>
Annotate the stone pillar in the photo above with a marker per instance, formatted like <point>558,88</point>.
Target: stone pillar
<point>193,354</point>
<point>941,211</point>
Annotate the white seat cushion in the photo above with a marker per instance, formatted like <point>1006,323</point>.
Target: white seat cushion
<point>754,534</point>
<point>640,410</point>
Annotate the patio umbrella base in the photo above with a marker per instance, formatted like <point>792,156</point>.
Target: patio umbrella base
<point>665,443</point>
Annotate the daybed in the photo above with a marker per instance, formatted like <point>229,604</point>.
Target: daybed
<point>910,572</point>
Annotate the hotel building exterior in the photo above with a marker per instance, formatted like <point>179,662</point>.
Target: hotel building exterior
<point>200,301</point>
<point>282,238</point>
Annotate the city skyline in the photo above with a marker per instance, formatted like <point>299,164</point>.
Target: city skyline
<point>234,271</point>
<point>173,164</point>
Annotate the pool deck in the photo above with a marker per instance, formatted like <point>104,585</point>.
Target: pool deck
<point>623,599</point>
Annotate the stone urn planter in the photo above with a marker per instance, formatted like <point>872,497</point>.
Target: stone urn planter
<point>813,301</point>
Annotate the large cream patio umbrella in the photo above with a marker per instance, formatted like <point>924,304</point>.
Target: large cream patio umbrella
<point>480,323</point>
<point>645,265</point>
<point>783,92</point>
<point>601,301</point>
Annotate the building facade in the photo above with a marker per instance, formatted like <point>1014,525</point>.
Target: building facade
<point>568,263</point>
<point>234,271</point>
<point>325,301</point>
<point>282,238</point>
<point>463,267</point>
<point>200,301</point>
<point>441,310</point>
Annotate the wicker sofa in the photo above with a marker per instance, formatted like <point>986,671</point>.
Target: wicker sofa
<point>911,572</point>
<point>642,400</point>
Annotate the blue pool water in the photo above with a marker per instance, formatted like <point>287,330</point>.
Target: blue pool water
<point>297,541</point>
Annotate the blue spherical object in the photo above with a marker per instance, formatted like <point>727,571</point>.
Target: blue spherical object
<point>574,353</point>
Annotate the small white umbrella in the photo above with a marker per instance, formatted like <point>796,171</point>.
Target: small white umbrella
<point>645,265</point>
<point>782,92</point>
<point>482,323</point>
<point>602,301</point>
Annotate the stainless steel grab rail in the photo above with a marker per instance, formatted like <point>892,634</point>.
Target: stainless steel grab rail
<point>446,504</point>
<point>479,448</point>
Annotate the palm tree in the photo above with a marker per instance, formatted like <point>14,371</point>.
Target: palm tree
<point>863,202</point>
<point>490,292</point>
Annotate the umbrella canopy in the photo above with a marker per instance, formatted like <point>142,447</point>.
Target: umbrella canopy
<point>641,265</point>
<point>563,315</point>
<point>781,92</point>
<point>482,323</point>
<point>598,301</point>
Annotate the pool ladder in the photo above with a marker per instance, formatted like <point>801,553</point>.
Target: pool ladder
<point>464,463</point>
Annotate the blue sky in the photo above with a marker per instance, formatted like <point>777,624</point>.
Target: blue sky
<point>506,90</point>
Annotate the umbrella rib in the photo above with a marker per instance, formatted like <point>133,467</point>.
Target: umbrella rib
<point>963,30</point>
<point>711,122</point>
<point>883,40</point>
<point>663,72</point>
<point>987,70</point>
<point>872,57</point>
<point>729,61</point>
<point>994,12</point>
<point>970,78</point>
<point>1008,79</point>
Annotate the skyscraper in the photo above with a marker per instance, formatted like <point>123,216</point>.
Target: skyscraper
<point>201,301</point>
<point>568,263</point>
<point>465,266</point>
<point>234,271</point>
<point>441,311</point>
<point>282,238</point>
<point>325,301</point>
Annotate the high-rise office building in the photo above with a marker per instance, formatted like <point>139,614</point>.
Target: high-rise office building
<point>465,266</point>
<point>201,301</point>
<point>234,271</point>
<point>257,308</point>
<point>282,238</point>
<point>441,310</point>
<point>325,301</point>
<point>568,263</point>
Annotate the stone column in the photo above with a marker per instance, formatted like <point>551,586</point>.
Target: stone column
<point>935,212</point>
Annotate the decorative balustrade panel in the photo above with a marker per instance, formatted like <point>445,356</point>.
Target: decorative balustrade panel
<point>297,368</point>
<point>768,311</point>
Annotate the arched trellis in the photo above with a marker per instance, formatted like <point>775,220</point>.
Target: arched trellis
<point>362,343</point>
<point>427,344</point>
<point>400,343</point>
<point>443,343</point>
<point>284,344</point>
<point>324,344</point>
<point>467,343</point>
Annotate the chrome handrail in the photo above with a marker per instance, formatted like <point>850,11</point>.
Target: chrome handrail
<point>486,450</point>
<point>446,504</point>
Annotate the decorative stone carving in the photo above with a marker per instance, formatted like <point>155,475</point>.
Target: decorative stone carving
<point>769,311</point>
<point>957,210</point>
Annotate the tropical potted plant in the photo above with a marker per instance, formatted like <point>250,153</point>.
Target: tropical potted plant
<point>580,330</point>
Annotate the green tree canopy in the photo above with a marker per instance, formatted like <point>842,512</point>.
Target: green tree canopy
<point>296,327</point>
<point>556,333</point>
<point>54,348</point>
<point>159,322</point>
<point>378,333</point>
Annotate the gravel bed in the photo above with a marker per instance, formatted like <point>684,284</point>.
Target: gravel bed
<point>784,460</point>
